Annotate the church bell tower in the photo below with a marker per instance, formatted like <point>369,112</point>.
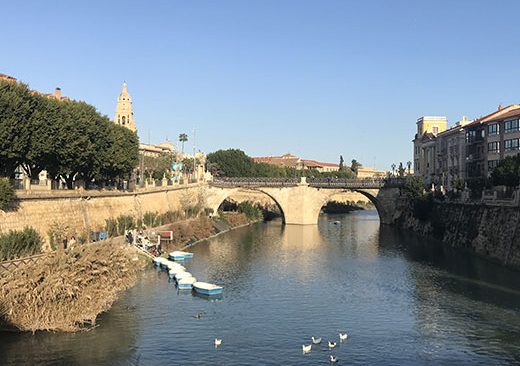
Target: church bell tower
<point>124,115</point>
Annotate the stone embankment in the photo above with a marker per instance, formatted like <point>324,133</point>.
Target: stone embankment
<point>488,230</point>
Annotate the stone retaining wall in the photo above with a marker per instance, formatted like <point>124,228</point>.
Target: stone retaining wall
<point>84,211</point>
<point>487,230</point>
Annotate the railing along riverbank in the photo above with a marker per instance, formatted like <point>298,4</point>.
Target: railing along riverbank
<point>11,265</point>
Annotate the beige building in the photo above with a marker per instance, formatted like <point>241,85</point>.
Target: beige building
<point>424,162</point>
<point>292,161</point>
<point>124,114</point>
<point>365,172</point>
<point>5,77</point>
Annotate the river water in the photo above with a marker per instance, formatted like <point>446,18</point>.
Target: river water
<point>402,300</point>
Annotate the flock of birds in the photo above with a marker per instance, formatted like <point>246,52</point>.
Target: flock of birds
<point>333,359</point>
<point>306,349</point>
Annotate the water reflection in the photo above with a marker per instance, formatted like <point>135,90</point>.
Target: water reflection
<point>402,299</point>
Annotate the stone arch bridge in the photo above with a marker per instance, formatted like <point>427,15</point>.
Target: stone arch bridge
<point>300,199</point>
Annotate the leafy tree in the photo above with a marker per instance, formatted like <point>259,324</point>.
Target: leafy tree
<point>16,107</point>
<point>414,187</point>
<point>232,163</point>
<point>507,172</point>
<point>121,155</point>
<point>341,161</point>
<point>157,167</point>
<point>355,165</point>
<point>7,194</point>
<point>69,139</point>
<point>401,169</point>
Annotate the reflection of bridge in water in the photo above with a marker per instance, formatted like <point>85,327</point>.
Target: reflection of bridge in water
<point>300,199</point>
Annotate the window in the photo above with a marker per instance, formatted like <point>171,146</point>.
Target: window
<point>470,136</point>
<point>123,120</point>
<point>435,129</point>
<point>511,125</point>
<point>494,147</point>
<point>493,129</point>
<point>492,164</point>
<point>511,144</point>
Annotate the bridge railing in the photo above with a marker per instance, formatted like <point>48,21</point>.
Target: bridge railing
<point>254,182</point>
<point>356,183</point>
<point>337,183</point>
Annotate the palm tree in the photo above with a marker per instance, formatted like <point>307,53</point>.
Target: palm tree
<point>183,138</point>
<point>393,168</point>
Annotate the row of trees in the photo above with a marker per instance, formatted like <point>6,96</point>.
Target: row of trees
<point>68,139</point>
<point>235,163</point>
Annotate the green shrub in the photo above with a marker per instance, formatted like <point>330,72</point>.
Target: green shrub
<point>125,222</point>
<point>7,195</point>
<point>152,219</point>
<point>192,211</point>
<point>111,227</point>
<point>414,188</point>
<point>252,212</point>
<point>57,232</point>
<point>170,216</point>
<point>20,243</point>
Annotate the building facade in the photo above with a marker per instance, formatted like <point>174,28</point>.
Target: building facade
<point>292,161</point>
<point>469,150</point>
<point>425,149</point>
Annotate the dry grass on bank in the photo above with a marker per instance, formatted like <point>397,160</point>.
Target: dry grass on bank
<point>67,291</point>
<point>189,231</point>
<point>235,219</point>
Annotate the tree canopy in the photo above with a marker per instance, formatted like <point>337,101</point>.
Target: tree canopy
<point>236,163</point>
<point>507,172</point>
<point>68,139</point>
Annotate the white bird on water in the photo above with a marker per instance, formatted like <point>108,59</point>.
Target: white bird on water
<point>343,337</point>
<point>306,349</point>
<point>218,342</point>
<point>333,359</point>
<point>316,340</point>
<point>332,344</point>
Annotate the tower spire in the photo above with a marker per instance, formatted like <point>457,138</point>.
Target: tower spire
<point>124,114</point>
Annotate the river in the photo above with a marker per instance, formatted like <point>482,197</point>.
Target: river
<point>403,301</point>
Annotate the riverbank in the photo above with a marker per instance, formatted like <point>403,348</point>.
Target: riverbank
<point>189,232</point>
<point>491,232</point>
<point>67,291</point>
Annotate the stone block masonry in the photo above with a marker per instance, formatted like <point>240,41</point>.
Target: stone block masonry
<point>489,231</point>
<point>84,211</point>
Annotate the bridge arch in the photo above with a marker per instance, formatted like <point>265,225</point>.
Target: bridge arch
<point>215,200</point>
<point>374,195</point>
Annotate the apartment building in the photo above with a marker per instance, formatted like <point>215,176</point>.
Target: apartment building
<point>469,150</point>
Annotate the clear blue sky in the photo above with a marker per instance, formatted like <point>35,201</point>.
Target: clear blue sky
<point>316,78</point>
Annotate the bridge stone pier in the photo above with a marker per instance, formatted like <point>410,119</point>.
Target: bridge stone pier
<point>301,200</point>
